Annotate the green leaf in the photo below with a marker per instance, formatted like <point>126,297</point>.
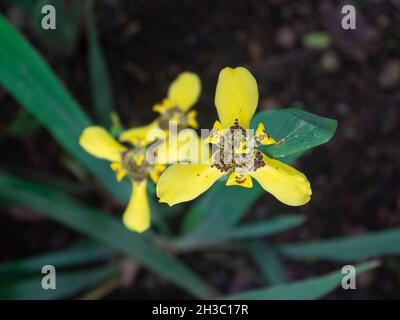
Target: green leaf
<point>353,248</point>
<point>99,79</point>
<point>67,284</point>
<point>268,261</point>
<point>301,290</point>
<point>101,227</point>
<point>245,231</point>
<point>317,40</point>
<point>300,130</point>
<point>82,253</point>
<point>221,206</point>
<point>27,77</point>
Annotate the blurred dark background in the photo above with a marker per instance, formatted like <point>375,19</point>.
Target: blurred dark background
<point>352,76</point>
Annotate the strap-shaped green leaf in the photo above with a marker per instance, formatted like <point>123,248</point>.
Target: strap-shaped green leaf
<point>86,252</point>
<point>301,290</point>
<point>28,78</point>
<point>253,230</point>
<point>101,227</point>
<point>67,284</point>
<point>354,248</point>
<point>99,80</point>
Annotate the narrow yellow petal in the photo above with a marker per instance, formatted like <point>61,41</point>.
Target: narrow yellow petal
<point>184,91</point>
<point>284,182</point>
<point>119,170</point>
<point>236,97</point>
<point>262,136</point>
<point>98,142</point>
<point>243,180</point>
<point>139,134</point>
<point>184,182</point>
<point>191,119</point>
<point>137,215</point>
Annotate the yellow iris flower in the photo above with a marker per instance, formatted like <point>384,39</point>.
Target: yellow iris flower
<point>183,93</point>
<point>236,100</point>
<point>99,143</point>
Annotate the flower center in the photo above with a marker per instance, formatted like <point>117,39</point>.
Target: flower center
<point>235,150</point>
<point>135,163</point>
<point>173,114</point>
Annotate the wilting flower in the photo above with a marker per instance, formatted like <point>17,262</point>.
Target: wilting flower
<point>183,93</point>
<point>132,162</point>
<point>236,100</point>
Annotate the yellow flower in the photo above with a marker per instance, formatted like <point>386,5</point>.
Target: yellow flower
<point>183,93</point>
<point>132,162</point>
<point>236,100</point>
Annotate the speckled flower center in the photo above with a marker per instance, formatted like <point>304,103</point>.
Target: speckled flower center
<point>236,152</point>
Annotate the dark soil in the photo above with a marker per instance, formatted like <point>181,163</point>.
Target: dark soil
<point>355,177</point>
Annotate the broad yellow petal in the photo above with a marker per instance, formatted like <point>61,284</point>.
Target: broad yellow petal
<point>184,147</point>
<point>284,182</point>
<point>137,215</point>
<point>236,97</point>
<point>139,134</point>
<point>184,91</point>
<point>99,143</point>
<point>184,182</point>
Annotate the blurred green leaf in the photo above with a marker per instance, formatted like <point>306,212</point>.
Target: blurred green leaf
<point>253,230</point>
<point>268,261</point>
<point>219,208</point>
<point>355,248</point>
<point>300,130</point>
<point>99,79</point>
<point>62,39</point>
<point>101,227</point>
<point>79,254</point>
<point>301,290</point>
<point>27,77</point>
<point>67,284</point>
<point>317,40</point>
<point>22,124</point>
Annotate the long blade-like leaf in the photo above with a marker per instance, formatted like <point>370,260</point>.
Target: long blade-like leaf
<point>245,231</point>
<point>301,290</point>
<point>76,255</point>
<point>28,78</point>
<point>355,248</point>
<point>99,79</point>
<point>99,226</point>
<point>67,284</point>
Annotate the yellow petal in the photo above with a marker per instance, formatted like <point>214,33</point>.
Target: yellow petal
<point>137,215</point>
<point>184,91</point>
<point>156,172</point>
<point>99,143</point>
<point>243,180</point>
<point>262,136</point>
<point>236,97</point>
<point>119,170</point>
<point>139,134</point>
<point>191,119</point>
<point>215,133</point>
<point>184,182</point>
<point>284,182</point>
